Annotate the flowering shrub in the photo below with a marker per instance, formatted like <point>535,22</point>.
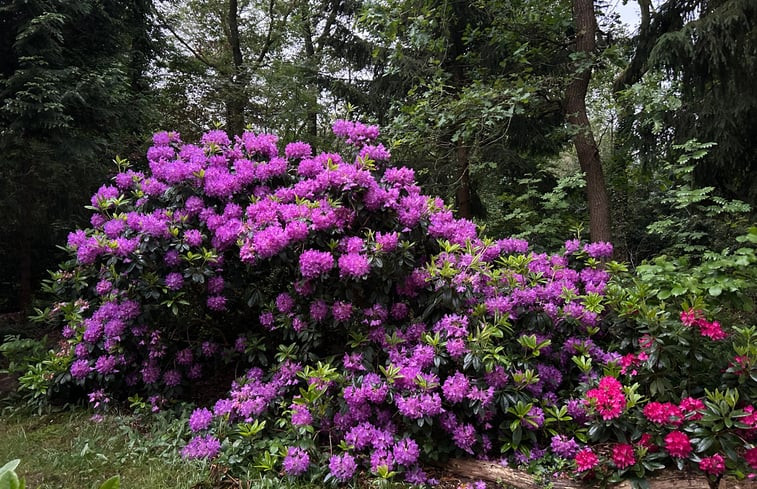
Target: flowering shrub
<point>372,329</point>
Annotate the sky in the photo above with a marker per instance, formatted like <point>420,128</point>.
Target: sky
<point>629,13</point>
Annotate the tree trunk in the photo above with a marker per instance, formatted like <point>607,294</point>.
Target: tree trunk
<point>236,99</point>
<point>477,469</point>
<point>311,113</point>
<point>575,109</point>
<point>463,193</point>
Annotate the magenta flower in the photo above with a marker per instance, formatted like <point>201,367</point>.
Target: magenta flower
<point>623,455</point>
<point>586,459</point>
<point>678,444</point>
<point>353,265</point>
<point>314,263</point>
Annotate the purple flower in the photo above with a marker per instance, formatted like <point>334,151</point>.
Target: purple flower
<point>200,419</point>
<point>301,415</point>
<point>464,437</point>
<point>201,447</point>
<point>174,280</point>
<point>193,237</point>
<point>266,319</point>
<point>319,310</point>
<point>563,446</point>
<point>298,149</point>
<point>342,467</point>
<point>172,378</point>
<point>103,195</point>
<point>571,246</point>
<point>184,357</point>
<point>106,364</point>
<point>217,303</point>
<point>361,435</point>
<point>215,285</point>
<point>599,249</point>
<point>456,347</point>
<point>103,287</point>
<point>456,387</point>
<point>353,265</point>
<point>217,137</point>
<point>341,311</point>
<point>355,133</point>
<point>296,461</point>
<point>406,451</point>
<point>172,258</point>
<point>80,369</point>
<point>284,303</point>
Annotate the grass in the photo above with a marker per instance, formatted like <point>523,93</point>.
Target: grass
<point>68,450</point>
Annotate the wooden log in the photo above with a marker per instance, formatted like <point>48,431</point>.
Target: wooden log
<point>488,471</point>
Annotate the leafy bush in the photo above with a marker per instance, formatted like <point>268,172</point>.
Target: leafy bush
<point>370,328</point>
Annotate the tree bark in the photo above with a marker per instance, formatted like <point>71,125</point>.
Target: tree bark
<point>311,114</point>
<point>236,100</point>
<point>477,469</point>
<point>575,109</point>
<point>463,193</point>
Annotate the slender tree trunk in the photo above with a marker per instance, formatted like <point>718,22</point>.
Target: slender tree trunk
<point>236,100</point>
<point>311,113</point>
<point>575,109</point>
<point>463,193</point>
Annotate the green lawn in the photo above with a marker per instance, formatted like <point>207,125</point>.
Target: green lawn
<point>68,450</point>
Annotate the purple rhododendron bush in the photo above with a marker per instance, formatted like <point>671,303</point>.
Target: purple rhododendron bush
<point>367,330</point>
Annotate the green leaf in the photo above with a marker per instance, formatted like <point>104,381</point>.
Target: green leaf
<point>10,466</point>
<point>9,480</point>
<point>715,290</point>
<point>678,290</point>
<point>112,483</point>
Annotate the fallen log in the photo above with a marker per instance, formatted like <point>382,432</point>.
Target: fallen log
<point>488,471</point>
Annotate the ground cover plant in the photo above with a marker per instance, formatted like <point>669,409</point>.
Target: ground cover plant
<point>363,328</point>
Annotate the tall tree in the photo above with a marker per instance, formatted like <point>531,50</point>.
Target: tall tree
<point>71,95</point>
<point>707,51</point>
<point>270,64</point>
<point>218,51</point>
<point>474,88</point>
<point>585,20</point>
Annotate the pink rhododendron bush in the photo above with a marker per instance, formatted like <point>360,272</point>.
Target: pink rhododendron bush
<point>370,331</point>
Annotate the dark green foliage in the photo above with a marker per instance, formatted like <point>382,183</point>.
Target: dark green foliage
<point>709,52</point>
<point>476,91</point>
<point>72,89</point>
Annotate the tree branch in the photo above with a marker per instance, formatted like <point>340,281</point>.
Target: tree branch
<point>164,22</point>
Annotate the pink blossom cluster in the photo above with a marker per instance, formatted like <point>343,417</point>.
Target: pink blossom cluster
<point>607,398</point>
<point>709,329</point>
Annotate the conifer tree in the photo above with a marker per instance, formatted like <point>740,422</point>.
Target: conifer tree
<point>71,90</point>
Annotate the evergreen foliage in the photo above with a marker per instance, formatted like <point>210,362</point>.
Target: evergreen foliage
<point>72,90</point>
<point>708,49</point>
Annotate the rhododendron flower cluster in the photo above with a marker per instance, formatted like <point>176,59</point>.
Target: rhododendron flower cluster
<point>623,455</point>
<point>710,329</point>
<point>678,444</point>
<point>586,459</point>
<point>608,398</point>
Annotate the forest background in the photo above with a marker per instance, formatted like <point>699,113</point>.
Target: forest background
<point>538,119</point>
